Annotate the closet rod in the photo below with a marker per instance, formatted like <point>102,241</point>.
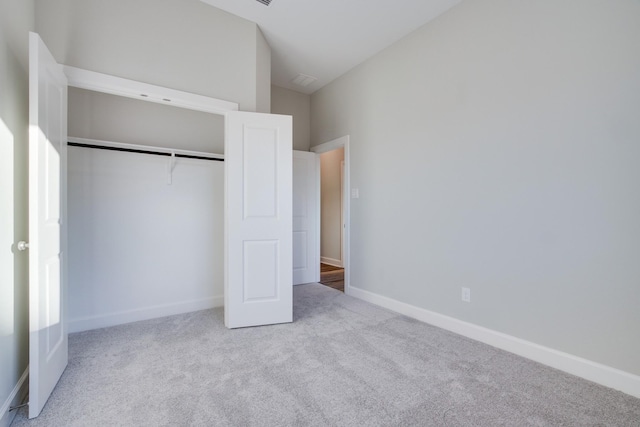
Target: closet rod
<point>134,150</point>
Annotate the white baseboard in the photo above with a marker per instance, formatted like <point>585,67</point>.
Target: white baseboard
<point>145,313</point>
<point>587,369</point>
<point>331,261</point>
<point>14,399</point>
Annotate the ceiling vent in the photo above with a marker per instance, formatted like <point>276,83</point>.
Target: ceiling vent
<point>264,2</point>
<point>303,80</point>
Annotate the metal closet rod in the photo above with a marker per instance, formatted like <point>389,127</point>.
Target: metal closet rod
<point>135,150</point>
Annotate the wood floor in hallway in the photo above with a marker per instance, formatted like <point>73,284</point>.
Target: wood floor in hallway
<point>332,276</point>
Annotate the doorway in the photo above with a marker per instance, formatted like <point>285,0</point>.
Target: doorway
<point>333,176</point>
<point>332,218</point>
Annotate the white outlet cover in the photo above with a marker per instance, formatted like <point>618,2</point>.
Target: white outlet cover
<point>466,294</point>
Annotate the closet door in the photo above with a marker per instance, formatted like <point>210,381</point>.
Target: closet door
<point>306,224</point>
<point>258,219</point>
<point>48,345</point>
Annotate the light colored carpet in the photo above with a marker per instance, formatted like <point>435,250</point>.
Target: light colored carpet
<point>343,362</point>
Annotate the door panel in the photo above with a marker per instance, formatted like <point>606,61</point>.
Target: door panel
<point>306,192</point>
<point>258,219</point>
<point>48,345</point>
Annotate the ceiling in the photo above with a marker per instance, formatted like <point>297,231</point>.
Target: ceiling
<point>326,38</point>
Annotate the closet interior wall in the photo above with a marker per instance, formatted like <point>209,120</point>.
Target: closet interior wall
<point>139,246</point>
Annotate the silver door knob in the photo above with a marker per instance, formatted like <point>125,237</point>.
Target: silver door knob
<point>23,246</point>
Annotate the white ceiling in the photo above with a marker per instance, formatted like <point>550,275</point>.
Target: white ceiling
<point>326,38</point>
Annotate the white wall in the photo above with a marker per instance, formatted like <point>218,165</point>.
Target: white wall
<point>180,44</point>
<point>496,148</point>
<point>16,19</point>
<point>331,206</point>
<point>138,247</point>
<point>115,118</point>
<point>298,105</point>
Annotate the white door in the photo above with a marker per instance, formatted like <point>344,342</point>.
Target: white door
<point>258,219</point>
<point>48,349</point>
<point>306,230</point>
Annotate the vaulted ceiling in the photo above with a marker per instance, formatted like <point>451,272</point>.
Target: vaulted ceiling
<point>324,39</point>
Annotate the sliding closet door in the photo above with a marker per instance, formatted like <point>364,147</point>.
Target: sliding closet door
<point>48,345</point>
<point>258,219</point>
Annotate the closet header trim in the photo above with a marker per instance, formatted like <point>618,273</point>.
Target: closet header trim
<point>98,82</point>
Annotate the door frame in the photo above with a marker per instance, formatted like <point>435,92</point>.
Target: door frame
<point>342,142</point>
<point>343,204</point>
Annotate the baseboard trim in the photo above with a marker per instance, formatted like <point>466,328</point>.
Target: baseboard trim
<point>587,369</point>
<point>146,313</point>
<point>14,399</point>
<point>331,261</point>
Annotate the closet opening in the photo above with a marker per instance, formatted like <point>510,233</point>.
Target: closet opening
<point>145,208</point>
<point>139,251</point>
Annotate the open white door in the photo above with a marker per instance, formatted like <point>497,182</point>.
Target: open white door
<point>306,226</point>
<point>48,345</point>
<point>258,220</point>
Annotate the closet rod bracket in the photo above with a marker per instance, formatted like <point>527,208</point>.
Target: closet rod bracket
<point>170,165</point>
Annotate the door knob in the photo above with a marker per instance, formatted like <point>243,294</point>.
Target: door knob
<point>23,246</point>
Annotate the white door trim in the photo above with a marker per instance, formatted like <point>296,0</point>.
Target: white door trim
<point>342,142</point>
<point>343,193</point>
<point>334,144</point>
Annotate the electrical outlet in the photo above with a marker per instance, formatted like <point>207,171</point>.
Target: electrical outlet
<point>466,294</point>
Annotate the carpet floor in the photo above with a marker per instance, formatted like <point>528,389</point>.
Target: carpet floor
<point>343,362</point>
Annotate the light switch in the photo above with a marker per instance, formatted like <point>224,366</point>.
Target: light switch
<point>355,193</point>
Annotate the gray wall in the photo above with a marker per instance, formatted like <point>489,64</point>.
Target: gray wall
<point>496,148</point>
<point>298,105</point>
<point>16,19</point>
<point>331,206</point>
<point>263,73</point>
<point>180,44</point>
